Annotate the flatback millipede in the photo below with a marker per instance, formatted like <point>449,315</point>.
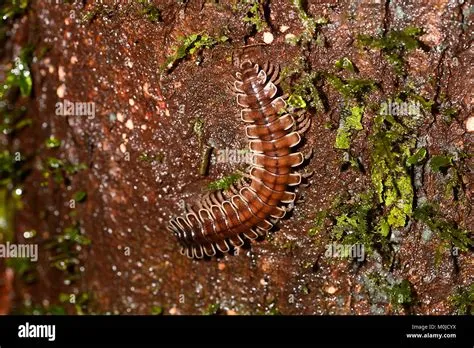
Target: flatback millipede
<point>250,208</point>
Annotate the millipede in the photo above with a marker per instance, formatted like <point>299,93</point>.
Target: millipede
<point>224,219</point>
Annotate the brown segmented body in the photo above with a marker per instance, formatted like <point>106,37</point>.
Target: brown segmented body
<point>250,209</point>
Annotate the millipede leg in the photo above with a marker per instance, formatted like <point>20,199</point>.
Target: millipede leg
<point>289,207</point>
<point>233,189</point>
<point>308,154</point>
<point>216,197</point>
<point>206,202</point>
<point>274,78</point>
<point>267,66</point>
<point>304,125</point>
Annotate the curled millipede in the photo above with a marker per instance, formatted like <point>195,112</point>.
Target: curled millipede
<point>250,208</point>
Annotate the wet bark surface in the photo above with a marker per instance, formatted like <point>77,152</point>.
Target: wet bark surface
<point>141,155</point>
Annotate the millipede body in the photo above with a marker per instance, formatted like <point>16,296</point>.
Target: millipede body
<point>250,208</point>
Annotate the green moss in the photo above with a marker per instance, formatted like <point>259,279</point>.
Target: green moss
<point>31,309</point>
<point>82,302</point>
<point>446,230</point>
<point>288,246</point>
<point>12,173</point>
<point>343,139</point>
<point>80,196</point>
<point>19,76</point>
<point>449,113</point>
<point>73,234</point>
<point>23,268</point>
<point>11,168</point>
<point>385,289</point>
<point>463,300</point>
<point>440,163</point>
<point>349,161</point>
<point>52,142</point>
<point>306,89</point>
<point>354,91</point>
<point>13,8</point>
<point>310,25</point>
<point>296,101</point>
<point>318,223</point>
<point>351,122</point>
<point>454,185</point>
<point>54,163</point>
<point>7,214</point>
<point>100,10</point>
<point>426,104</point>
<point>13,120</point>
<point>191,45</point>
<point>212,309</point>
<point>354,223</point>
<point>255,15</point>
<point>392,144</point>
<point>65,249</point>
<point>449,166</point>
<point>394,45</point>
<point>400,294</point>
<point>224,183</point>
<point>156,310</point>
<point>417,157</point>
<point>60,170</point>
<point>352,88</point>
<point>301,86</point>
<point>150,11</point>
<point>346,64</point>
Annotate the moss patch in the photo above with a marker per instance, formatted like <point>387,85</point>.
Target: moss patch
<point>463,300</point>
<point>310,25</point>
<point>224,183</point>
<point>150,11</point>
<point>384,289</point>
<point>345,64</point>
<point>446,230</point>
<point>255,15</point>
<point>352,88</point>
<point>394,45</point>
<point>441,163</point>
<point>19,76</point>
<point>60,170</point>
<point>82,303</point>
<point>351,122</point>
<point>13,8</point>
<point>392,145</point>
<point>65,250</point>
<point>191,45</point>
<point>302,86</point>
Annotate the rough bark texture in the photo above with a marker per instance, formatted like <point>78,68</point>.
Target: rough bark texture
<point>143,153</point>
